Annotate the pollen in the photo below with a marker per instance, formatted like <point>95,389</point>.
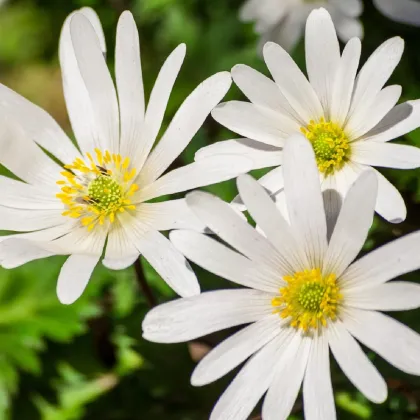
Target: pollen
<point>96,189</point>
<point>330,144</point>
<point>309,299</point>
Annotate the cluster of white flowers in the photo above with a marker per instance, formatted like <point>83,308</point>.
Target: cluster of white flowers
<point>303,294</point>
<point>283,21</point>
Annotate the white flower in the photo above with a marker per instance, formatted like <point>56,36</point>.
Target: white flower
<point>101,195</point>
<point>304,296</point>
<point>403,11</point>
<point>283,21</point>
<point>349,119</point>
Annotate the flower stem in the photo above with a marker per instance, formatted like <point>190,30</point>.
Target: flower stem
<point>144,286</point>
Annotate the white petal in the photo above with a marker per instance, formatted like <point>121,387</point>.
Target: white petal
<point>400,120</point>
<point>320,38</point>
<point>79,241</point>
<point>77,97</point>
<point>344,81</point>
<point>243,394</point>
<point>129,83</point>
<point>272,182</point>
<point>170,264</point>
<point>231,352</point>
<point>362,121</point>
<point>15,252</point>
<point>393,341</point>
<point>79,106</point>
<point>387,155</point>
<point>352,8</point>
<point>120,251</point>
<point>211,170</point>
<point>318,396</point>
<point>249,10</point>
<point>270,220</point>
<point>223,261</point>
<point>226,223</point>
<point>353,224</point>
<point>96,23</point>
<point>345,178</point>
<point>168,215</point>
<point>348,28</point>
<point>44,236</point>
<point>389,204</point>
<point>157,103</point>
<point>266,13</point>
<point>293,83</point>
<point>393,296</point>
<point>120,264</point>
<point>262,155</point>
<point>385,263</point>
<point>355,364</point>
<point>26,220</point>
<point>20,195</point>
<point>25,159</point>
<point>289,31</point>
<point>255,122</point>
<point>261,90</point>
<point>304,198</point>
<point>37,125</point>
<point>333,202</point>
<point>375,73</point>
<point>403,11</point>
<point>280,200</point>
<point>189,318</point>
<point>74,277</point>
<point>287,381</point>
<point>185,124</point>
<point>98,82</point>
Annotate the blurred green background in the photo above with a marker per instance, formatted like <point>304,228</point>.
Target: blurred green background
<point>88,360</point>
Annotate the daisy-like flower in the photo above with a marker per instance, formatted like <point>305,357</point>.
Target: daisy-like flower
<point>304,295</point>
<point>98,193</point>
<point>349,118</point>
<point>403,11</point>
<point>283,21</point>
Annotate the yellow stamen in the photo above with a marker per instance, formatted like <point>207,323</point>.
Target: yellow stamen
<point>97,190</point>
<point>309,299</point>
<point>330,144</point>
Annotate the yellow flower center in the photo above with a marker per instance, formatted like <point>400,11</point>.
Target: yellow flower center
<point>330,144</point>
<point>309,299</point>
<point>97,188</point>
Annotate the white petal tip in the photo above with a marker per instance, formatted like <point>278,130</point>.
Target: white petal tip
<point>197,381</point>
<point>176,235</point>
<point>244,179</point>
<point>237,68</point>
<point>126,14</point>
<point>320,11</point>
<point>219,107</point>
<point>66,299</point>
<point>397,220</point>
<point>193,290</point>
<point>223,77</point>
<point>270,45</point>
<point>200,154</point>
<point>379,399</point>
<point>181,49</point>
<point>194,197</point>
<point>87,9</point>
